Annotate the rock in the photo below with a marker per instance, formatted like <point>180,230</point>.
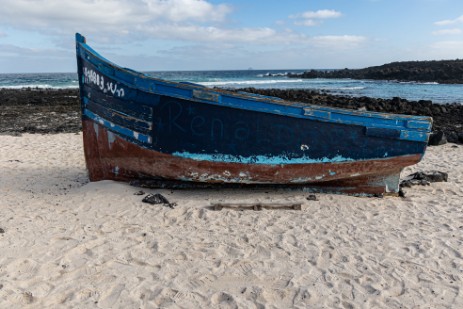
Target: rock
<point>460,137</point>
<point>401,192</point>
<point>424,178</point>
<point>437,138</point>
<point>426,103</point>
<point>312,197</point>
<point>157,199</point>
<point>443,71</point>
<point>452,137</point>
<point>432,176</point>
<point>414,182</point>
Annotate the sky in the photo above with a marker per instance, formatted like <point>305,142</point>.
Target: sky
<point>163,35</point>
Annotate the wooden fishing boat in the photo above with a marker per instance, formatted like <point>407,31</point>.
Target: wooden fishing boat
<point>139,127</point>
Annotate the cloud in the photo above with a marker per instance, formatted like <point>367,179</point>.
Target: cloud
<point>307,23</point>
<point>14,51</point>
<point>15,58</point>
<point>261,36</point>
<point>449,45</point>
<point>117,16</point>
<point>227,56</point>
<point>448,31</point>
<point>113,21</point>
<point>458,20</point>
<point>163,28</point>
<point>447,49</point>
<point>109,21</point>
<point>179,10</point>
<point>11,50</point>
<point>211,34</point>
<point>313,18</point>
<point>3,34</point>
<point>321,14</point>
<point>338,41</point>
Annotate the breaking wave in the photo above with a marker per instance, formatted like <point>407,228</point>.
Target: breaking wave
<point>39,86</point>
<point>251,82</point>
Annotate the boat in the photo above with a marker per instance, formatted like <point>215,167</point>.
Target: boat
<point>140,127</point>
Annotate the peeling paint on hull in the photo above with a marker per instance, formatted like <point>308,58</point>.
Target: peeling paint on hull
<point>275,160</point>
<point>132,161</point>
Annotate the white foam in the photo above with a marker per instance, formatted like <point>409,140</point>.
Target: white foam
<point>251,82</point>
<point>40,86</point>
<point>351,88</point>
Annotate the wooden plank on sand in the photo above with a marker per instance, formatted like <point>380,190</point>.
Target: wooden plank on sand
<point>257,206</point>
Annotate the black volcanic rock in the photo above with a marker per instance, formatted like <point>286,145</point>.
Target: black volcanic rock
<point>424,178</point>
<point>34,110</point>
<point>442,71</point>
<point>437,138</point>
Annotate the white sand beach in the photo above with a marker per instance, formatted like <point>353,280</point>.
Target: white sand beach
<point>68,243</point>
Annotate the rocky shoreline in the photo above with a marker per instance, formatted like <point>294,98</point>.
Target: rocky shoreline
<point>441,71</point>
<point>32,110</point>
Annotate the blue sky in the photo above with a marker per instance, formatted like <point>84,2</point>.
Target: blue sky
<point>38,35</point>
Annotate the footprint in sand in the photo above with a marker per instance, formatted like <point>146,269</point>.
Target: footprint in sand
<point>223,300</point>
<point>188,299</point>
<point>17,296</point>
<point>200,282</point>
<point>22,269</point>
<point>109,299</point>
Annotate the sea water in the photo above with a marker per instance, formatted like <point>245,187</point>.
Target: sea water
<point>438,93</point>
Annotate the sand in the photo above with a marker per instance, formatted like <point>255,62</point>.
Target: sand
<point>68,243</point>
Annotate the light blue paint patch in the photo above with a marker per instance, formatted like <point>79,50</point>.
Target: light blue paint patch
<point>96,129</point>
<point>301,180</point>
<point>332,173</point>
<point>111,139</point>
<point>390,182</point>
<point>274,160</point>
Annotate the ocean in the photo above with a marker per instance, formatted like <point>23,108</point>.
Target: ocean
<point>438,93</point>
